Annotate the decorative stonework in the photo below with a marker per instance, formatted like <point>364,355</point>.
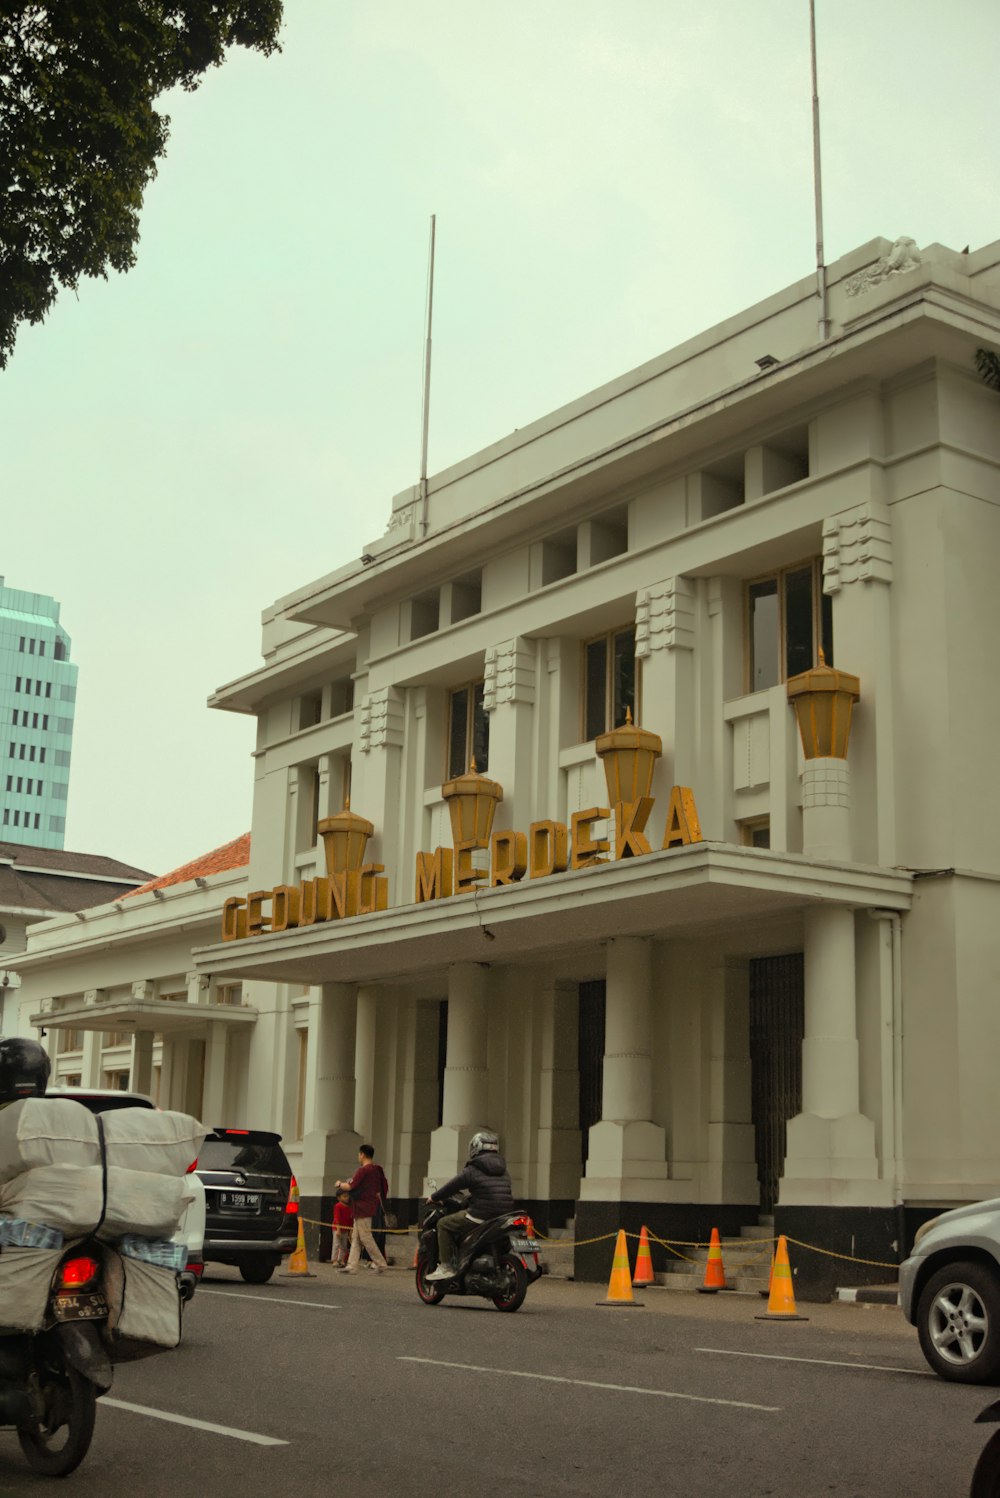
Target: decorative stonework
<point>857,547</point>
<point>664,617</point>
<point>903,256</point>
<point>142,990</point>
<point>381,720</point>
<point>510,674</point>
<point>402,519</point>
<point>826,782</point>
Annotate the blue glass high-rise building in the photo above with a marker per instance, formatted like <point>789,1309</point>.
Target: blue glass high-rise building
<point>37,704</point>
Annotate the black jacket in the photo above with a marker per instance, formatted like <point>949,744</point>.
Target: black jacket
<point>487,1179</point>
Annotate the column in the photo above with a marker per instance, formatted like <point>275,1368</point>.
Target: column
<point>418,1111</point>
<point>730,1172</point>
<point>364,1060</point>
<point>826,809</point>
<point>376,767</point>
<point>466,1076</point>
<point>330,1144</point>
<point>664,643</point>
<point>558,1143</point>
<point>627,1158</point>
<point>830,1150</point>
<point>214,1084</point>
<point>141,1072</point>
<point>509,698</point>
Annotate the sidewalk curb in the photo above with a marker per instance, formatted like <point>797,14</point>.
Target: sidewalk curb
<point>872,1295</point>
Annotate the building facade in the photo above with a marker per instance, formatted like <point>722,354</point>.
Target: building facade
<point>112,990</point>
<point>666,726</point>
<point>37,707</point>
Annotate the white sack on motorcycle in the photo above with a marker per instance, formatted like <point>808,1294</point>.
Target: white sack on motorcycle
<point>59,1131</point>
<point>70,1197</point>
<point>144,1310</point>
<point>24,1286</point>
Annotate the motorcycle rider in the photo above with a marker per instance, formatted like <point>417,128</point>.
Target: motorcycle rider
<point>24,1070</point>
<point>487,1180</point>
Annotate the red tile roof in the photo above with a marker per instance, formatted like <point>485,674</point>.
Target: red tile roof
<point>234,855</point>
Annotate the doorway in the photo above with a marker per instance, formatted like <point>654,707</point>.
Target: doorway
<point>777,1023</point>
<point>590,1057</point>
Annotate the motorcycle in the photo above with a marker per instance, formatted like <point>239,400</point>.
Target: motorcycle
<point>51,1379</point>
<point>986,1477</point>
<point>496,1259</point>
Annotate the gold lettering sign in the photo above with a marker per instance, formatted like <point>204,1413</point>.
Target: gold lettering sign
<point>587,849</point>
<point>549,854</point>
<point>630,819</point>
<point>549,848</point>
<point>509,858</point>
<point>434,875</point>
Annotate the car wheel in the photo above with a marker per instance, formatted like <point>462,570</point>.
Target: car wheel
<point>257,1271</point>
<point>958,1322</point>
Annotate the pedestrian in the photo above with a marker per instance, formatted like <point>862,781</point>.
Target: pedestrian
<point>367,1186</point>
<point>343,1221</point>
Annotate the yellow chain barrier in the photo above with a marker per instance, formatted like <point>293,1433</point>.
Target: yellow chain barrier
<point>673,1245</point>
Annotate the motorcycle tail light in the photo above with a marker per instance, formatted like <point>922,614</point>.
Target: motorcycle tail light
<point>77,1274</point>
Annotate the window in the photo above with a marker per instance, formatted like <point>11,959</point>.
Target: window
<point>41,756</point>
<point>45,720</point>
<point>17,684</point>
<point>31,647</point>
<point>229,993</point>
<point>72,1040</point>
<point>30,787</point>
<point>60,650</point>
<point>6,817</point>
<point>608,681</point>
<point>756,832</point>
<point>116,1037</point>
<point>468,730</point>
<point>48,689</point>
<point>38,787</point>
<point>41,647</point>
<point>34,720</point>
<point>14,718</point>
<point>17,819</point>
<point>38,817</point>
<point>21,646</point>
<point>300,1091</point>
<point>788,616</point>
<point>20,783</point>
<point>10,783</point>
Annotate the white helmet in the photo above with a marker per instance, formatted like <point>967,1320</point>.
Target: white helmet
<point>483,1143</point>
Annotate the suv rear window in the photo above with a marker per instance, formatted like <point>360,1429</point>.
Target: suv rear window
<point>235,1154</point>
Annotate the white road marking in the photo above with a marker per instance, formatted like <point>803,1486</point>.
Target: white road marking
<point>586,1383</point>
<point>268,1300</point>
<point>777,1357</point>
<point>216,1430</point>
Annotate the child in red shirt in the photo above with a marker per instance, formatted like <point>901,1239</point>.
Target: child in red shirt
<point>343,1221</point>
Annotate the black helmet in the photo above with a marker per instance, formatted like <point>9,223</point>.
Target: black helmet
<point>24,1069</point>
<point>483,1143</point>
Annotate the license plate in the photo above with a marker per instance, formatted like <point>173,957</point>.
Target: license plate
<point>239,1201</point>
<point>82,1306</point>
<point>524,1245</point>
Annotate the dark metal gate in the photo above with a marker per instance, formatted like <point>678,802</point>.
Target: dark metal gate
<point>591,1058</point>
<point>776,1029</point>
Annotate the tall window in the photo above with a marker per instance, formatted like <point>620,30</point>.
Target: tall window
<point>608,681</point>
<point>788,618</point>
<point>468,730</point>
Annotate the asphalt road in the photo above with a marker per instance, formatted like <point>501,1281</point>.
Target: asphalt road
<point>371,1393</point>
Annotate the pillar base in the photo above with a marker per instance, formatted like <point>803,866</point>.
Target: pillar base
<point>449,1152</point>
<point>327,1156</point>
<point>626,1162</point>
<point>832,1162</point>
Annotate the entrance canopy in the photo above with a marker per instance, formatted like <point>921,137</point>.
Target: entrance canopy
<point>680,892</point>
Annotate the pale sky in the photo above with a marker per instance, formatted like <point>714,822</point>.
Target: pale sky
<point>184,444</point>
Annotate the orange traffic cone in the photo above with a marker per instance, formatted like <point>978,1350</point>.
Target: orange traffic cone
<point>298,1264</point>
<point>643,1263</point>
<point>715,1273</point>
<point>620,1283</point>
<point>781,1300</point>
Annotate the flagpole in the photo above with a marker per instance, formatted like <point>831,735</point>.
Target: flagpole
<point>424,519</point>
<point>824,319</point>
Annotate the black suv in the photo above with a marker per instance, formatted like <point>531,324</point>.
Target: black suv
<point>251,1201</point>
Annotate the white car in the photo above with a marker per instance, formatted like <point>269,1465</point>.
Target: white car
<point>949,1289</point>
<point>191,1231</point>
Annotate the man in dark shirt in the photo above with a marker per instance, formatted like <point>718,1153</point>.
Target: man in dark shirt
<point>487,1180</point>
<point>367,1186</point>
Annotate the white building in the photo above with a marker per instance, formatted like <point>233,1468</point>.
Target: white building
<point>788,1009</point>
